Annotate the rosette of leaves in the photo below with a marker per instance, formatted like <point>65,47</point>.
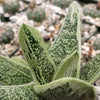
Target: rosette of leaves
<point>62,3</point>
<point>38,14</point>
<point>6,34</point>
<point>50,75</point>
<point>91,12</point>
<point>11,7</point>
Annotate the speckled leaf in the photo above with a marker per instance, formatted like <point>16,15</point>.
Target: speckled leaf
<point>20,61</point>
<point>69,38</point>
<point>91,71</point>
<point>36,55</point>
<point>12,73</point>
<point>66,89</point>
<point>20,92</point>
<point>68,68</point>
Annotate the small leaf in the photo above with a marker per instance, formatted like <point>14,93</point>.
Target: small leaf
<point>20,61</point>
<point>91,71</point>
<point>19,92</point>
<point>69,38</point>
<point>68,68</point>
<point>66,89</point>
<point>36,54</point>
<point>12,73</point>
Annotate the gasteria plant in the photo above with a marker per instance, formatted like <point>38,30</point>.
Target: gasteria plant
<point>56,74</point>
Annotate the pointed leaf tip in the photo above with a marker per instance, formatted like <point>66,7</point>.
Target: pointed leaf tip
<point>36,54</point>
<point>69,37</point>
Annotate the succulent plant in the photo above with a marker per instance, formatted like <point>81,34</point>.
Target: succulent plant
<point>91,12</point>
<point>38,14</point>
<point>62,3</point>
<point>50,75</point>
<point>6,35</point>
<point>11,7</point>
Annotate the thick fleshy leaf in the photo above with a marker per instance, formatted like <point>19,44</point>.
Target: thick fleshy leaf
<point>20,92</point>
<point>66,89</point>
<point>20,61</point>
<point>12,73</point>
<point>69,38</point>
<point>91,71</point>
<point>36,54</point>
<point>68,68</point>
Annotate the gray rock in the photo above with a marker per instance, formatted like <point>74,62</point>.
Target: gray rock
<point>14,19</point>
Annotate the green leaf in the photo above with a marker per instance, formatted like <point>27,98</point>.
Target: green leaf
<point>36,54</point>
<point>91,71</point>
<point>19,92</point>
<point>66,89</point>
<point>20,61</point>
<point>12,73</point>
<point>68,68</point>
<point>69,39</point>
